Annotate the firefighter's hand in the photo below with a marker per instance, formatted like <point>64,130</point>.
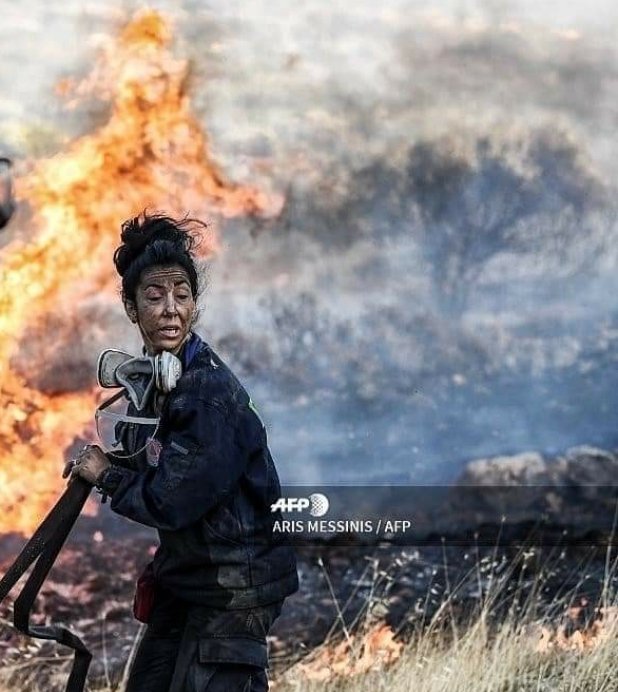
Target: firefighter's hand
<point>89,464</point>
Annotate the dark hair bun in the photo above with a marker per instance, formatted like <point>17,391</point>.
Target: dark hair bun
<point>140,232</point>
<point>150,239</point>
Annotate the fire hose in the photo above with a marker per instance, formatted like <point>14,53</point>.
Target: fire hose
<point>7,203</point>
<point>47,541</point>
<point>43,548</point>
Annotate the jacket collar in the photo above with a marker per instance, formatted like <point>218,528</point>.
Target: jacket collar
<point>190,349</point>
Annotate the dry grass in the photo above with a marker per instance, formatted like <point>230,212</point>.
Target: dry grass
<point>480,661</point>
<point>514,641</point>
<point>506,644</point>
<point>477,662</point>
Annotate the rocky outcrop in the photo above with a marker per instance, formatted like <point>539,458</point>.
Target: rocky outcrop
<point>576,492</point>
<point>578,466</point>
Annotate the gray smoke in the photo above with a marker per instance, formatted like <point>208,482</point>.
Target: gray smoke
<point>439,285</point>
<point>432,310</point>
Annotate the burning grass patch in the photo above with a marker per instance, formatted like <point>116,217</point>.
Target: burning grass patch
<point>513,639</point>
<point>513,623</point>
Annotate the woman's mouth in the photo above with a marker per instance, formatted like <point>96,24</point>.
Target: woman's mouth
<point>171,332</point>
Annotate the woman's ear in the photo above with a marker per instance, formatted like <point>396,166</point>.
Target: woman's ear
<point>195,316</point>
<point>131,310</point>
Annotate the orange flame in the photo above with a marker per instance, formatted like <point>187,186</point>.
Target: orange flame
<point>355,655</point>
<point>150,153</point>
<point>576,633</point>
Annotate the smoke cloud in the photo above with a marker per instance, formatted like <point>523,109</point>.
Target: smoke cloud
<point>439,284</point>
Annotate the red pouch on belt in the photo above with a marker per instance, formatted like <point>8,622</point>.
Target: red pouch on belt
<point>144,595</point>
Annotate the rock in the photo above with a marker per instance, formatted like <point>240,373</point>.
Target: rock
<point>504,470</point>
<point>576,492</point>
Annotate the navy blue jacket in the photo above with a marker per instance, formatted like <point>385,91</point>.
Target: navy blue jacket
<point>210,493</point>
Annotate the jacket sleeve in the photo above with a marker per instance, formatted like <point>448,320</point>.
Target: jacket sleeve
<point>201,461</point>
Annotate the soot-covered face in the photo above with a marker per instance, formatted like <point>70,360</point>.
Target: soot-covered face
<point>163,308</point>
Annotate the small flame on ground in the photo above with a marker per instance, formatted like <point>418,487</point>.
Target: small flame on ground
<point>150,153</point>
<point>353,656</point>
<point>578,633</point>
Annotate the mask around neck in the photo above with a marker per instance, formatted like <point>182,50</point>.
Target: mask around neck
<point>140,380</point>
<point>139,376</point>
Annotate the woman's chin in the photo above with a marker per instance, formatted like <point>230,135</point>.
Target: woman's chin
<point>165,344</point>
<point>171,344</point>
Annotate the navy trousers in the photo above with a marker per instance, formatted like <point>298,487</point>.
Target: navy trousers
<point>195,648</point>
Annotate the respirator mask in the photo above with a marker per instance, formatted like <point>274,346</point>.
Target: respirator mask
<point>143,381</point>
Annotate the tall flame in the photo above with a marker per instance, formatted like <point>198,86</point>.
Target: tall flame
<point>150,153</point>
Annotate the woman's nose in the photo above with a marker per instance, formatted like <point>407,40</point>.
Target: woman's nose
<point>170,305</point>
